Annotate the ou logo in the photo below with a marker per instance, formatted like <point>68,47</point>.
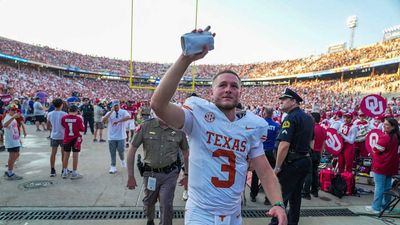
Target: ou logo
<point>333,142</point>
<point>373,140</point>
<point>374,105</point>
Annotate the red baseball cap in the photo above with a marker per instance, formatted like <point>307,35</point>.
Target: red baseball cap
<point>348,114</point>
<point>339,113</point>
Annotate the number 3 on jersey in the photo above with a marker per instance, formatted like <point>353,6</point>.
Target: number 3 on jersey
<point>230,168</point>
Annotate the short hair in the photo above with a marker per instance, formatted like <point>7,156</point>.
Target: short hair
<point>73,108</point>
<point>269,111</point>
<point>316,116</point>
<point>225,71</point>
<point>193,95</point>
<point>58,102</point>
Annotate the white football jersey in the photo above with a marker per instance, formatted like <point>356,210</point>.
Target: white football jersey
<point>218,155</point>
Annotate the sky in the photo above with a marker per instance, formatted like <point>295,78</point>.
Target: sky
<point>247,31</point>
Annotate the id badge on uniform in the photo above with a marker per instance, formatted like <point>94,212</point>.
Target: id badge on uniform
<point>222,220</point>
<point>151,183</point>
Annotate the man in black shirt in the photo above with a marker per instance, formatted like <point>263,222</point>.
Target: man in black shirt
<point>87,111</point>
<point>293,155</point>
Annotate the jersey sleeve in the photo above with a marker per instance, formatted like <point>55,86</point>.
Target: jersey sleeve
<point>382,143</point>
<point>125,114</point>
<point>81,126</point>
<point>256,151</point>
<point>188,107</point>
<point>260,135</point>
<point>63,124</point>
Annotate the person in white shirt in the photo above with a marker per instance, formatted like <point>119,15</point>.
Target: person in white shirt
<point>116,119</point>
<point>57,133</point>
<point>39,112</point>
<point>349,132</point>
<point>336,122</point>
<point>220,143</point>
<point>377,123</point>
<point>11,141</point>
<point>98,123</point>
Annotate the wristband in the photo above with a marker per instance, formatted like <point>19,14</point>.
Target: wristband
<point>186,174</point>
<point>280,204</point>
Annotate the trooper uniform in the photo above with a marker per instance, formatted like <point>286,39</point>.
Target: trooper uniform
<point>297,129</point>
<point>146,111</point>
<point>161,148</point>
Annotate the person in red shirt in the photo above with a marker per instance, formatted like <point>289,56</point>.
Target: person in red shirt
<point>73,125</point>
<point>311,180</point>
<point>385,163</point>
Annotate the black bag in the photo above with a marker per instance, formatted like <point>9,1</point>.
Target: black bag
<point>338,186</point>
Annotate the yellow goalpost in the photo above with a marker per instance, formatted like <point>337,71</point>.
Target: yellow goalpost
<point>148,87</point>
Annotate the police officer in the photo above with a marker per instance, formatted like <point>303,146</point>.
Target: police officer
<point>87,110</point>
<point>145,110</point>
<point>293,155</point>
<point>161,145</point>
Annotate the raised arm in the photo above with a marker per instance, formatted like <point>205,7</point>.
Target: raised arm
<point>160,101</point>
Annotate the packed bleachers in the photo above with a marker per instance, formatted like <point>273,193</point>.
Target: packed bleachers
<point>43,54</point>
<point>26,81</point>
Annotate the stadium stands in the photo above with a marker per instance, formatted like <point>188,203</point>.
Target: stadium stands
<point>378,51</point>
<point>25,80</point>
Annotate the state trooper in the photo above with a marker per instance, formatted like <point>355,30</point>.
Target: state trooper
<point>293,154</point>
<point>161,146</point>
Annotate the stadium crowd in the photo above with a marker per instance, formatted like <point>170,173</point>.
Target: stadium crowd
<point>44,54</point>
<point>25,82</point>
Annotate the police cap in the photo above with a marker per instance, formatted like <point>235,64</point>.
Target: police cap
<point>288,93</point>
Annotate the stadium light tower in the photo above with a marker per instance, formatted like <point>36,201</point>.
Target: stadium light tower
<point>352,24</point>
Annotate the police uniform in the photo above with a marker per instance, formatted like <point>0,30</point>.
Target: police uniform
<point>145,112</point>
<point>88,116</point>
<point>161,148</point>
<point>297,129</point>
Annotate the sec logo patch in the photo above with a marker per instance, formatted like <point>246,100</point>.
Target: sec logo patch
<point>209,117</point>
